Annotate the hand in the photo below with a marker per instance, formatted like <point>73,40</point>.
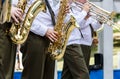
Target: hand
<point>67,8</point>
<point>86,7</point>
<point>95,41</point>
<point>16,14</point>
<point>88,15</point>
<point>52,35</point>
<point>81,1</point>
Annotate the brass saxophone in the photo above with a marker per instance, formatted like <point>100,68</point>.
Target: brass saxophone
<point>5,8</point>
<point>19,32</point>
<point>57,49</point>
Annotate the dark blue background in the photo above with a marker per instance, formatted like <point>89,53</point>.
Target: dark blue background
<point>94,74</point>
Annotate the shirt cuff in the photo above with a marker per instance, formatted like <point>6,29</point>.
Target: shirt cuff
<point>84,13</point>
<point>43,31</point>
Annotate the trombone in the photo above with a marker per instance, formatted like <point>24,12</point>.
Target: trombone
<point>103,16</point>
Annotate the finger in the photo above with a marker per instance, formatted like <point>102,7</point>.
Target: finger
<point>15,19</point>
<point>67,9</point>
<point>19,17</point>
<point>20,10</point>
<point>53,37</point>
<point>16,14</point>
<point>56,33</point>
<point>20,13</point>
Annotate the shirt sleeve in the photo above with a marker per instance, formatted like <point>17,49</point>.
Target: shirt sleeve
<point>81,15</point>
<point>14,2</point>
<point>78,12</point>
<point>80,18</point>
<point>38,27</point>
<point>95,24</point>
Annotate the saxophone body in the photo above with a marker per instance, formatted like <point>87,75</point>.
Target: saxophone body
<point>57,49</point>
<point>19,32</point>
<point>5,8</point>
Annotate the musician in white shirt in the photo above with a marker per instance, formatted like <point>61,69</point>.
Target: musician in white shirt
<point>88,27</point>
<point>74,62</point>
<point>36,60</point>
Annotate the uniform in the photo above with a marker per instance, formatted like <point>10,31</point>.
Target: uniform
<point>36,61</point>
<point>74,62</point>
<point>7,48</point>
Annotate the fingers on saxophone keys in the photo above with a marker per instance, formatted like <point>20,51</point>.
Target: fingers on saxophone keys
<point>54,36</point>
<point>18,17</point>
<point>19,14</point>
<point>15,19</point>
<point>67,8</point>
<point>20,10</point>
<point>16,14</point>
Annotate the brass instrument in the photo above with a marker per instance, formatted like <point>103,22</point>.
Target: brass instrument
<point>5,8</point>
<point>57,49</point>
<point>19,32</point>
<point>101,15</point>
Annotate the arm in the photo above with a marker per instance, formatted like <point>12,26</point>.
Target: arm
<point>38,27</point>
<point>41,27</point>
<point>81,13</point>
<point>95,24</point>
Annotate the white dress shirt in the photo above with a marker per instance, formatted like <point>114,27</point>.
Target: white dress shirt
<point>79,14</point>
<point>42,21</point>
<point>14,2</point>
<point>86,30</point>
<point>75,37</point>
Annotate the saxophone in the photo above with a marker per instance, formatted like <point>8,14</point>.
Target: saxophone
<point>5,8</point>
<point>57,49</point>
<point>19,32</point>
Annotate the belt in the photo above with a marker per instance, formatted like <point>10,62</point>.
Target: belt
<point>33,34</point>
<point>41,37</point>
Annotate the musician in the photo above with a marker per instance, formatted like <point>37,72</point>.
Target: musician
<point>7,48</point>
<point>88,28</point>
<point>74,60</point>
<point>36,61</point>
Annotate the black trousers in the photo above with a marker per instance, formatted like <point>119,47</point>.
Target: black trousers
<point>86,53</point>
<point>74,64</point>
<point>36,60</point>
<point>7,53</point>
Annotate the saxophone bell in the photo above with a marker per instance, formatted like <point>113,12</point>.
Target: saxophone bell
<point>19,32</point>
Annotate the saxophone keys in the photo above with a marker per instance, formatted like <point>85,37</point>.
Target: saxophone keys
<point>30,16</point>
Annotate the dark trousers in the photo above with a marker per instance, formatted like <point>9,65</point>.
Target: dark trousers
<point>7,53</point>
<point>74,64</point>
<point>86,53</point>
<point>36,61</point>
